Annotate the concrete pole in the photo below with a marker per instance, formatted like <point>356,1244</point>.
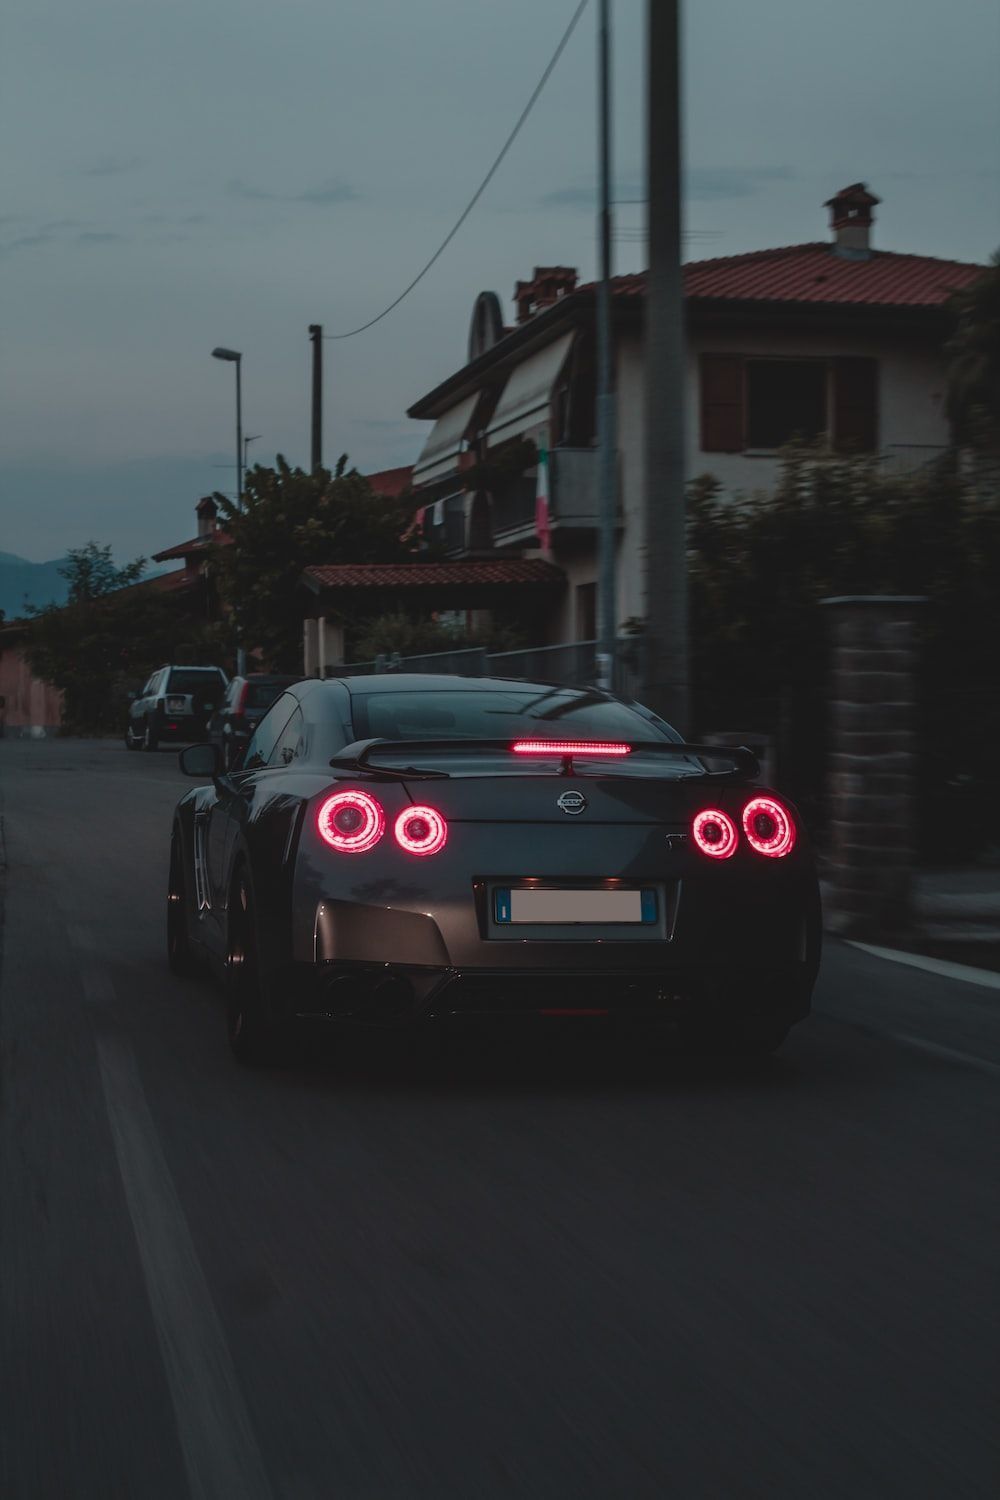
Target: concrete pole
<point>316,435</point>
<point>666,667</point>
<point>607,623</point>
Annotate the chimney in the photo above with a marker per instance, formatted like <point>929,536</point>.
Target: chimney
<point>548,284</point>
<point>851,220</point>
<point>206,510</point>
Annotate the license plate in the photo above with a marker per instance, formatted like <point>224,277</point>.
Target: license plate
<point>534,904</point>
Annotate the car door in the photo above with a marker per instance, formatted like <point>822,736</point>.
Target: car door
<point>147,703</point>
<point>237,796</point>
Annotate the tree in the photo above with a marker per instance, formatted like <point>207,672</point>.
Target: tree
<point>291,520</point>
<point>108,637</point>
<point>973,394</point>
<point>758,569</point>
<point>91,573</point>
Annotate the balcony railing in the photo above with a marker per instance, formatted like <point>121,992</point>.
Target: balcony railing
<point>574,496</point>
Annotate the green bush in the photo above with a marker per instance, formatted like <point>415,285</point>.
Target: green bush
<point>759,567</point>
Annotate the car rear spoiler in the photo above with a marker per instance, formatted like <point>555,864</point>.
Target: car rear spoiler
<point>356,758</point>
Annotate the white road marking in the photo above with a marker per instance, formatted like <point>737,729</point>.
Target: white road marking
<point>942,966</point>
<point>947,1054</point>
<point>220,1450</point>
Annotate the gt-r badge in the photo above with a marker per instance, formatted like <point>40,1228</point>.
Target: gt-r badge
<point>572,803</point>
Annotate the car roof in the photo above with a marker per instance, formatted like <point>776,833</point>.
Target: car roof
<point>415,682</point>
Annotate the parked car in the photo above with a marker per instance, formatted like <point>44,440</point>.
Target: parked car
<point>175,704</point>
<point>398,850</point>
<point>246,702</point>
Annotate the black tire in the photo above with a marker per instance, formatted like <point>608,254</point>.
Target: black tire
<point>130,743</point>
<point>150,739</point>
<point>181,953</point>
<point>255,1037</point>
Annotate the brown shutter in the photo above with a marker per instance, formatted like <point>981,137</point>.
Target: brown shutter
<point>855,404</point>
<point>722,420</point>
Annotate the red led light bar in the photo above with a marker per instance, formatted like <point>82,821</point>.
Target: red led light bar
<point>569,747</point>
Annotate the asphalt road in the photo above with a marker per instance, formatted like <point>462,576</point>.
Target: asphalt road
<point>469,1272</point>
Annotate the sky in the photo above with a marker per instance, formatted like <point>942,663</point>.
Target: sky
<point>229,171</point>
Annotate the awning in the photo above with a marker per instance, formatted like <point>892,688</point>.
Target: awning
<point>444,441</point>
<point>526,396</point>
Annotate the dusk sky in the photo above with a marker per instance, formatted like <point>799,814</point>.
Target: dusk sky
<point>229,171</point>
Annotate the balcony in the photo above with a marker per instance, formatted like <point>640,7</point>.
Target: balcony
<point>449,532</point>
<point>574,497</point>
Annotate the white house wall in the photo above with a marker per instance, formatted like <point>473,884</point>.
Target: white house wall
<point>911,415</point>
<point>911,384</point>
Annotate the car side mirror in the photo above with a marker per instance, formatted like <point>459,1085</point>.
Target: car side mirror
<point>203,761</point>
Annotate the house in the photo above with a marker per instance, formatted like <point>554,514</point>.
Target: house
<point>832,340</point>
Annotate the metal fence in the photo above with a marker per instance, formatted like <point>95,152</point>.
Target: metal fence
<point>572,665</point>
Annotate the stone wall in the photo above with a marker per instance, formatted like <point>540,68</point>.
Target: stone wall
<point>871,768</point>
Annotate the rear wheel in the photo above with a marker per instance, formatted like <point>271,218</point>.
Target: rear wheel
<point>181,954</point>
<point>254,1036</point>
<point>150,739</point>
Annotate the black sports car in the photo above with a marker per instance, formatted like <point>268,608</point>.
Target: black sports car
<point>412,848</point>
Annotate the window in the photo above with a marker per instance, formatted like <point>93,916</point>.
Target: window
<point>760,404</point>
<point>268,732</point>
<point>195,680</point>
<point>495,713</point>
<point>786,399</point>
<point>288,745</point>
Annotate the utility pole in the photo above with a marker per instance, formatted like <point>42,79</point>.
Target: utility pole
<point>316,455</point>
<point>666,670</point>
<point>606,437</point>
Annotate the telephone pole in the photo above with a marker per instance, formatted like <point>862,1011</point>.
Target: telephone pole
<point>316,446</point>
<point>666,671</point>
<point>607,623</point>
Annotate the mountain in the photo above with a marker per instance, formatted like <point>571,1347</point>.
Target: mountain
<point>27,582</point>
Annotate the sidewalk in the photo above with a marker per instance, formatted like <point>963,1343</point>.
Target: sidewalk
<point>957,915</point>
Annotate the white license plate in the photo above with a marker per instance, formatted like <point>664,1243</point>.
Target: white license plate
<point>575,906</point>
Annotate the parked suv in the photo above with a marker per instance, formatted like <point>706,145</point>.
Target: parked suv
<point>246,702</point>
<point>175,704</point>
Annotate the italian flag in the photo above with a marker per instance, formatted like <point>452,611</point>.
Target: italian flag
<point>542,528</point>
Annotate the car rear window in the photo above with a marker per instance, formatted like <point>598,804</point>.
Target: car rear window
<point>262,694</point>
<point>495,713</point>
<point>189,680</point>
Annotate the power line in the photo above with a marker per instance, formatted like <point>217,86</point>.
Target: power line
<point>526,111</point>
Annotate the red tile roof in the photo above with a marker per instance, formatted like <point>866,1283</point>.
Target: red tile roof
<point>391,482</point>
<point>195,544</point>
<point>162,583</point>
<point>815,274</point>
<point>485,572</point>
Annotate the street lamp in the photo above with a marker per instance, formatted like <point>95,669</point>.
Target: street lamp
<point>236,358</point>
<point>233,356</point>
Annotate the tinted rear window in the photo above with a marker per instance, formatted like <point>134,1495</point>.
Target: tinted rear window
<point>187,680</point>
<point>496,713</point>
<point>262,694</point>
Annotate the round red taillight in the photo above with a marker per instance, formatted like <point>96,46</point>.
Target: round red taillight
<point>351,822</point>
<point>715,833</point>
<point>768,827</point>
<point>421,830</point>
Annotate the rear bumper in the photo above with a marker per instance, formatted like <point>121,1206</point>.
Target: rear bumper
<point>181,727</point>
<point>397,994</point>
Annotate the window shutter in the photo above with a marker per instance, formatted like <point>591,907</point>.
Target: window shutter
<point>722,419</point>
<point>855,404</point>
